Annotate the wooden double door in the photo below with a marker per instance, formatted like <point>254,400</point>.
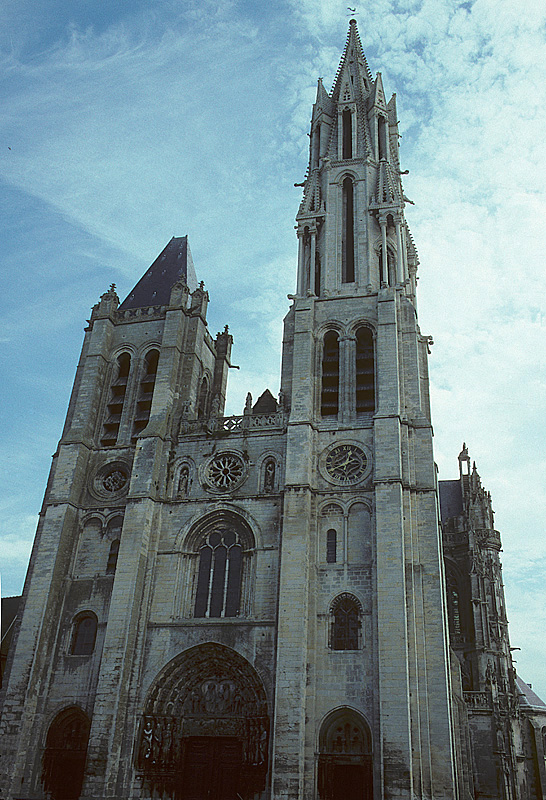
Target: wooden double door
<point>212,768</point>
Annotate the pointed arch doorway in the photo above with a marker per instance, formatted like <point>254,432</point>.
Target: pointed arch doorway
<point>205,728</point>
<point>345,759</point>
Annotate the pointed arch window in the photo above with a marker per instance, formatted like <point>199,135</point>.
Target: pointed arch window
<point>219,576</point>
<point>347,133</point>
<point>145,393</point>
<point>84,634</point>
<point>365,371</point>
<point>114,409</point>
<point>329,402</point>
<point>346,623</point>
<point>348,232</point>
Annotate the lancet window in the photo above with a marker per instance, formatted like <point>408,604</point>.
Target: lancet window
<point>346,623</point>
<point>112,562</point>
<point>203,401</point>
<point>145,393</point>
<point>348,232</point>
<point>116,401</point>
<point>347,128</point>
<point>365,371</point>
<point>329,403</point>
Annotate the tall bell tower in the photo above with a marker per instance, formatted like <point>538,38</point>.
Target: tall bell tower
<point>363,691</point>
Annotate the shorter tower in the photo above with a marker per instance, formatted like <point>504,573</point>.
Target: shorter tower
<point>505,718</point>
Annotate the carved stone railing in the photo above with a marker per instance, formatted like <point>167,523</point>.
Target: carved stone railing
<point>236,424</point>
<point>478,701</point>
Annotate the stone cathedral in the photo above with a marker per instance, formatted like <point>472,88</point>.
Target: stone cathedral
<point>285,604</point>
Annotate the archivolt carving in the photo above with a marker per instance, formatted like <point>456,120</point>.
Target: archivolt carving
<point>209,690</point>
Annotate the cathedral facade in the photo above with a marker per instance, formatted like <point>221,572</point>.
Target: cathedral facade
<point>270,606</point>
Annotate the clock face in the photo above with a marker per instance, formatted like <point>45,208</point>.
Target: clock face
<point>346,464</point>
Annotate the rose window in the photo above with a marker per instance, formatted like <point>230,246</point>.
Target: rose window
<point>225,471</point>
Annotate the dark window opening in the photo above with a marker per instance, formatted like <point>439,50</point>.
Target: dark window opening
<point>85,634</point>
<point>347,143</point>
<point>114,408</point>
<point>145,393</point>
<point>382,137</point>
<point>348,233</point>
<point>365,371</point>
<point>345,629</point>
<point>112,557</point>
<point>331,546</point>
<point>317,275</point>
<point>391,267</point>
<point>316,147</point>
<point>329,404</point>
<point>219,575</point>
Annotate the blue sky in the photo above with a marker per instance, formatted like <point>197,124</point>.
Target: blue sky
<point>125,124</point>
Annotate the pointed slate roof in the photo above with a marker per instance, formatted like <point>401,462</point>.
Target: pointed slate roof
<point>174,263</point>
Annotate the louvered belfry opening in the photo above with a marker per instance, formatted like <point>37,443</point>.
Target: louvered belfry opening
<point>329,403</point>
<point>365,372</point>
<point>114,409</point>
<point>145,393</point>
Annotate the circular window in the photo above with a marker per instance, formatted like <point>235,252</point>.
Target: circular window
<point>224,472</point>
<point>111,480</point>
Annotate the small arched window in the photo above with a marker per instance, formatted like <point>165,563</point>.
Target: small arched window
<point>84,634</point>
<point>365,371</point>
<point>348,233</point>
<point>331,546</point>
<point>345,623</point>
<point>145,393</point>
<point>329,402</point>
<point>114,409</point>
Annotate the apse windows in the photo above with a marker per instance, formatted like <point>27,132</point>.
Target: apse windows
<point>84,634</point>
<point>365,371</point>
<point>348,232</point>
<point>329,403</point>
<point>145,393</point>
<point>116,401</point>
<point>345,623</point>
